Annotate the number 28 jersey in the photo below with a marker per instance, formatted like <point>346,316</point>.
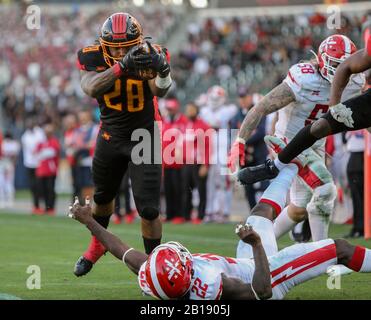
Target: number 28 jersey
<point>207,278</point>
<point>128,105</point>
<point>312,95</point>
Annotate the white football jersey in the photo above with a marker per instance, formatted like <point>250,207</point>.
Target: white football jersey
<point>207,279</point>
<point>312,95</point>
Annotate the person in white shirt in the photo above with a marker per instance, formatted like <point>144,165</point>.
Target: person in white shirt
<point>30,139</point>
<point>9,152</point>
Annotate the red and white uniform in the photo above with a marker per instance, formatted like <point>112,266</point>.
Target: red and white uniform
<point>219,188</point>
<point>289,267</point>
<point>312,94</point>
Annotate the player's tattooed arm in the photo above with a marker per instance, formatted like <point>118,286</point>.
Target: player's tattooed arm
<point>95,84</point>
<point>356,63</point>
<point>276,99</point>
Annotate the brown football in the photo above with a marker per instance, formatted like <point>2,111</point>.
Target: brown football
<point>148,74</point>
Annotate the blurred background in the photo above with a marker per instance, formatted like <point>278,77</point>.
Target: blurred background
<point>245,47</point>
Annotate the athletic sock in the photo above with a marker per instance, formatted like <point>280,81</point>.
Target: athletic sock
<point>263,227</point>
<point>361,260</point>
<point>303,140</point>
<point>150,244</point>
<point>283,224</point>
<point>279,165</point>
<point>276,193</point>
<point>102,220</point>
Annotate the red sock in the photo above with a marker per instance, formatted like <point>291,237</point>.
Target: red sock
<point>95,250</point>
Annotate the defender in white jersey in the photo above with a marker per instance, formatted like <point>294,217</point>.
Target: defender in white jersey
<point>300,99</point>
<point>172,272</point>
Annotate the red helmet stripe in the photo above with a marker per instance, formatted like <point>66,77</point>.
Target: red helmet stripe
<point>153,270</point>
<point>119,23</point>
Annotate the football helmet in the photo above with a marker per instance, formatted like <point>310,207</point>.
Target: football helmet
<point>169,271</point>
<point>119,30</point>
<point>216,96</point>
<point>331,52</point>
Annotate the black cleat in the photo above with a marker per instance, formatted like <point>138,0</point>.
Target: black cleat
<point>250,175</point>
<point>82,267</point>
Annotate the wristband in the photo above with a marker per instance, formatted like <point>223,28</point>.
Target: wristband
<point>163,83</point>
<point>126,252</point>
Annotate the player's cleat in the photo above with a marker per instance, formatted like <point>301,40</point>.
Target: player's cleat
<point>265,171</point>
<point>37,211</point>
<point>129,218</point>
<point>116,219</point>
<point>50,212</point>
<point>82,266</point>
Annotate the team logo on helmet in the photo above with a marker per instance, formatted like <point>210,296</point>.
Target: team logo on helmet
<point>168,271</point>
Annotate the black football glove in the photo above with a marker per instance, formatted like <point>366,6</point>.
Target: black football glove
<point>134,60</point>
<point>158,61</point>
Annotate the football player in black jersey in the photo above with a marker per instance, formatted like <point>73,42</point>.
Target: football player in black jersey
<point>109,73</point>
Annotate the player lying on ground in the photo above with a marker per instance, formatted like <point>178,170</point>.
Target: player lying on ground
<point>353,114</point>
<point>172,272</point>
<point>300,99</point>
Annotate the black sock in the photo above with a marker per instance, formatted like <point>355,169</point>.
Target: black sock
<point>102,220</point>
<point>150,244</point>
<point>303,140</point>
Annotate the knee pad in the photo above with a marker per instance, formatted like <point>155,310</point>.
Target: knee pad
<point>103,198</point>
<point>323,200</point>
<point>149,213</point>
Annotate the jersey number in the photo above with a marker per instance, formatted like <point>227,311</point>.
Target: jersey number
<point>131,96</point>
<point>313,115</point>
<point>199,289</point>
<point>306,68</point>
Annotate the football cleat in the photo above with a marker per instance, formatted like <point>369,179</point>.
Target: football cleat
<point>82,267</point>
<point>251,175</point>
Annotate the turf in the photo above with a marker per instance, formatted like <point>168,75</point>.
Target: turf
<point>54,244</point>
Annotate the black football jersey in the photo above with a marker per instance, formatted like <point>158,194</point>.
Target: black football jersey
<point>128,105</point>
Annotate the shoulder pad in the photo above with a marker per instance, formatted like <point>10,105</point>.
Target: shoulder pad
<point>91,59</point>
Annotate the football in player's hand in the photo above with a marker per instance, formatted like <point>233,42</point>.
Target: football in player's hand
<point>146,73</point>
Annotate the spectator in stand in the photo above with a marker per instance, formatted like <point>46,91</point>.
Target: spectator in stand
<point>86,135</point>
<point>48,153</point>
<point>30,139</point>
<point>196,155</point>
<point>8,157</point>
<point>70,125</point>
<point>173,127</point>
<point>255,149</point>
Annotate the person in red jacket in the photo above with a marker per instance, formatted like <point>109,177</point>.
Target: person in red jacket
<point>48,153</point>
<point>173,126</point>
<point>196,153</point>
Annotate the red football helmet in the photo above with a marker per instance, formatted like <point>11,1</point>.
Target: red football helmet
<point>119,30</point>
<point>169,271</point>
<point>332,51</point>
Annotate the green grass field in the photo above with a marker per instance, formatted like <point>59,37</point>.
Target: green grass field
<point>54,244</point>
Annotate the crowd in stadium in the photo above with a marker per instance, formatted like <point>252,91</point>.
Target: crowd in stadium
<point>41,96</point>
